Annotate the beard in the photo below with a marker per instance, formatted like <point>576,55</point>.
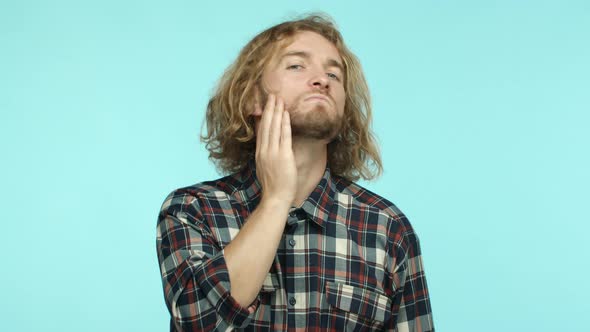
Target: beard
<point>314,120</point>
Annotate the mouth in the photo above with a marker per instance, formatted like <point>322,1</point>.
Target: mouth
<point>317,97</point>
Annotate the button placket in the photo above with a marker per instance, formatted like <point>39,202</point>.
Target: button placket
<point>295,228</point>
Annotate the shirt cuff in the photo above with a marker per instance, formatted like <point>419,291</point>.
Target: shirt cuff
<point>213,280</point>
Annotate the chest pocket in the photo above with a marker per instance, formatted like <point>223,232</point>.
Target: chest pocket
<point>359,301</point>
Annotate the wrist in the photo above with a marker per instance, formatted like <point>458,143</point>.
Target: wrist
<point>275,204</point>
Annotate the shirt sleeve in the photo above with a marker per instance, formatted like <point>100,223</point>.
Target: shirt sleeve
<point>411,309</point>
<point>194,273</point>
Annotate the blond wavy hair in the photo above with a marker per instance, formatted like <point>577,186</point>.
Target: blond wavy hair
<point>231,139</point>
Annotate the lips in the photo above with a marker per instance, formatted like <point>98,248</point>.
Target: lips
<point>318,97</point>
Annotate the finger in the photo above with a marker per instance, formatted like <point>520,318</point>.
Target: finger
<point>265,122</point>
<point>257,110</point>
<point>257,131</point>
<point>286,131</point>
<point>275,131</point>
<point>256,116</point>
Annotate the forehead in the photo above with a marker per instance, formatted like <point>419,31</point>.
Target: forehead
<point>313,43</point>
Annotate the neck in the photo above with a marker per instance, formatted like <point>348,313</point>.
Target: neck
<point>311,159</point>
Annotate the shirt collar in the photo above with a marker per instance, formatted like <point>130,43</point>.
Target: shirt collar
<point>317,206</point>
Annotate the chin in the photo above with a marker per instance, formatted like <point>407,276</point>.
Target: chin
<point>316,123</point>
<point>316,107</point>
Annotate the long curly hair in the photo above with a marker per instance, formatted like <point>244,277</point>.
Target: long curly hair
<point>231,139</point>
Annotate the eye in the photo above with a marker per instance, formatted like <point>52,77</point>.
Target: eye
<point>334,76</point>
<point>296,67</point>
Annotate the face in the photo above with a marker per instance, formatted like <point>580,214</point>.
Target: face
<point>309,76</point>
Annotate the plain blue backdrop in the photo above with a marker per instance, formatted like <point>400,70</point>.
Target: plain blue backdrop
<point>481,109</point>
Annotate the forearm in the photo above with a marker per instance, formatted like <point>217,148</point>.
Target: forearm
<point>251,253</point>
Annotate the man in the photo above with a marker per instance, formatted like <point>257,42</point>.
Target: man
<point>287,241</point>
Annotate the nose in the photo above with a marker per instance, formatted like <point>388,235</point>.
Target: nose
<point>319,80</point>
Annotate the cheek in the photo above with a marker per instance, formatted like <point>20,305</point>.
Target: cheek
<point>341,99</point>
<point>282,90</point>
<point>285,90</point>
<point>271,83</point>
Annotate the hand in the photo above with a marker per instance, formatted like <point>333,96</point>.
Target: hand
<point>275,161</point>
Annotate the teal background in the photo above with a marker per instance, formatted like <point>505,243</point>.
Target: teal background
<point>481,109</point>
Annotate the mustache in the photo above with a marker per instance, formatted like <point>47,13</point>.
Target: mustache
<point>262,98</point>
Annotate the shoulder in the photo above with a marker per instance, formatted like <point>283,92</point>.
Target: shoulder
<point>365,197</point>
<point>398,226</point>
<point>192,196</point>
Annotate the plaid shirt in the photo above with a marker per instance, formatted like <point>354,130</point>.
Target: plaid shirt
<point>348,260</point>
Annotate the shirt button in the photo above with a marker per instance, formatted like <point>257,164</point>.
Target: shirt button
<point>292,301</point>
<point>292,242</point>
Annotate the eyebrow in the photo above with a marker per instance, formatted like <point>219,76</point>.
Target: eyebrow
<point>330,62</point>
